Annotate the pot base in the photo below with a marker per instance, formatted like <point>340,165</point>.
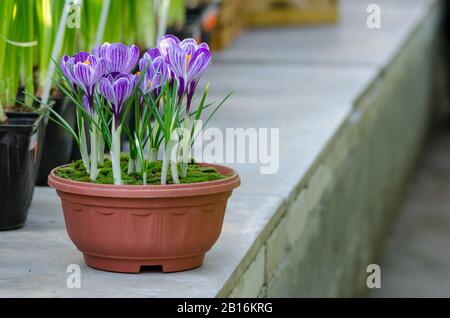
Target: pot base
<point>12,227</point>
<point>169,265</point>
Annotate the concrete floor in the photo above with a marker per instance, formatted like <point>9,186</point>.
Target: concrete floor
<point>417,258</point>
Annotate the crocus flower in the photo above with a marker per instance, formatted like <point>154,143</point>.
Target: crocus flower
<point>84,70</point>
<point>119,57</point>
<point>117,90</point>
<point>156,72</point>
<point>187,61</point>
<point>67,64</point>
<point>163,45</point>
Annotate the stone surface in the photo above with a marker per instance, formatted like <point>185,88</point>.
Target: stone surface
<point>252,280</point>
<point>416,260</point>
<point>290,233</point>
<point>307,123</point>
<point>354,199</point>
<point>33,260</point>
<point>350,44</point>
<point>276,247</point>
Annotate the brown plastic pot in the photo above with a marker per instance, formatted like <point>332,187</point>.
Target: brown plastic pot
<point>122,228</point>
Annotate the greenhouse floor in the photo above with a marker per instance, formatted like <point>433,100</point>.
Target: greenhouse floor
<point>304,81</point>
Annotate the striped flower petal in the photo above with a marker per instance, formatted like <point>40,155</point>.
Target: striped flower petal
<point>119,57</point>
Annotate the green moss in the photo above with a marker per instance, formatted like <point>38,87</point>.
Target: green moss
<point>195,173</point>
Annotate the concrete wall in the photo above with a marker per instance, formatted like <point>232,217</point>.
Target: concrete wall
<point>336,223</point>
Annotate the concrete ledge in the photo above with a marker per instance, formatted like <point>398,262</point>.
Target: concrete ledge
<point>336,224</point>
<point>352,106</point>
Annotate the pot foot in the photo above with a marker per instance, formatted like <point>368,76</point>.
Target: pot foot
<point>112,264</point>
<point>182,264</point>
<point>134,265</point>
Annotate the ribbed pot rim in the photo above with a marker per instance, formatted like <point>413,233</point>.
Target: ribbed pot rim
<point>148,191</point>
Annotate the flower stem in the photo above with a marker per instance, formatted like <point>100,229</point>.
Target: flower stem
<point>137,165</point>
<point>131,165</point>
<point>83,147</point>
<point>94,153</point>
<point>174,171</point>
<point>115,153</point>
<point>185,147</point>
<point>173,161</point>
<point>144,178</point>
<point>165,165</point>
<point>152,155</point>
<point>101,149</point>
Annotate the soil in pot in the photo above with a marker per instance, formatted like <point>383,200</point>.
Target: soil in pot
<point>195,173</point>
<point>19,158</point>
<point>58,145</point>
<point>124,228</point>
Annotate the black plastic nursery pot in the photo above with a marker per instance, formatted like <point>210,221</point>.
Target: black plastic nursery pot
<point>58,144</point>
<point>20,143</point>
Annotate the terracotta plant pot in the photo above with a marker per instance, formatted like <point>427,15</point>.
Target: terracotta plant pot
<point>122,228</point>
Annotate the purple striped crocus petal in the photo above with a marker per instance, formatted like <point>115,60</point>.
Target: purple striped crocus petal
<point>170,37</point>
<point>156,73</point>
<point>101,50</point>
<point>176,59</point>
<point>134,81</point>
<point>66,64</point>
<point>198,64</point>
<point>203,46</point>
<point>165,42</point>
<point>100,70</point>
<point>96,51</point>
<point>133,57</point>
<point>86,105</point>
<point>181,88</point>
<point>80,57</point>
<point>106,90</point>
<point>153,53</point>
<point>82,74</point>
<point>91,61</point>
<point>161,71</point>
<point>117,57</point>
<point>84,71</point>
<point>186,62</point>
<point>117,90</point>
<point>147,81</point>
<point>144,62</point>
<point>122,90</point>
<point>189,46</point>
<point>190,94</point>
